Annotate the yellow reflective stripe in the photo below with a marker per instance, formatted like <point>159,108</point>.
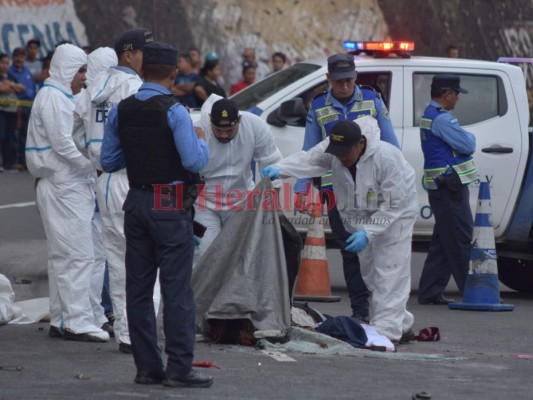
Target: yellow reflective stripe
<point>367,105</point>
<point>464,166</point>
<point>324,116</point>
<point>324,112</point>
<point>434,172</point>
<point>362,105</point>
<point>326,179</point>
<point>425,123</point>
<point>15,102</point>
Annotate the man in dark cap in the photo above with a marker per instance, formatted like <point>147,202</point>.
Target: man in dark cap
<point>448,169</point>
<point>152,136</point>
<point>107,90</point>
<point>376,192</point>
<point>235,138</point>
<point>344,100</point>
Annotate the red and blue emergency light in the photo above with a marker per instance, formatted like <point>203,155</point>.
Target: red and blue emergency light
<point>379,49</point>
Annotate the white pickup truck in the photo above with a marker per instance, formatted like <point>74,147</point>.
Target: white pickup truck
<point>495,110</point>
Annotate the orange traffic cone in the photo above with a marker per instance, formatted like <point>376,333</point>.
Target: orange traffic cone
<point>313,282</point>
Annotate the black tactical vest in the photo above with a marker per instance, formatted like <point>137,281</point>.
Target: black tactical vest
<point>148,143</point>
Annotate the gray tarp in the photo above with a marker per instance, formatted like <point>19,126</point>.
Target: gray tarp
<point>243,274</point>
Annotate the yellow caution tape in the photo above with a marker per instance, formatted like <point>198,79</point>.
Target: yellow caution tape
<point>15,102</point>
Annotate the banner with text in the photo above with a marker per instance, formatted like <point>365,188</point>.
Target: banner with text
<point>49,21</point>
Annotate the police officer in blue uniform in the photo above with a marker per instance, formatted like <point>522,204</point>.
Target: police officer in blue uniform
<point>152,135</point>
<point>448,169</point>
<point>344,100</point>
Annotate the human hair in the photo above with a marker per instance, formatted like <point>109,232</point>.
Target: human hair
<point>280,55</point>
<point>208,66</point>
<point>33,41</point>
<point>451,47</point>
<point>3,55</point>
<point>246,66</point>
<point>157,72</point>
<point>193,49</point>
<point>186,57</point>
<point>436,93</point>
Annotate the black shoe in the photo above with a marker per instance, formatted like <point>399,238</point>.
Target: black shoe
<point>125,348</point>
<point>192,379</point>
<point>441,301</point>
<point>364,318</point>
<point>148,380</point>
<point>108,328</point>
<point>407,337</point>
<point>55,332</point>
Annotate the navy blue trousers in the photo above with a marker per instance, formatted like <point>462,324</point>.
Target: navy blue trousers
<point>449,249</point>
<point>357,290</point>
<point>164,240</point>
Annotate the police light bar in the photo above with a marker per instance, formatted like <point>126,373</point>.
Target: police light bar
<point>379,49</point>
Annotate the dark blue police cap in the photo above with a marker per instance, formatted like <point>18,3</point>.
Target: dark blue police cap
<point>160,53</point>
<point>448,82</point>
<point>341,66</point>
<point>133,39</point>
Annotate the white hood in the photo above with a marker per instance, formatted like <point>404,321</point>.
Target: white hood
<point>100,60</point>
<point>370,130</point>
<point>65,64</point>
<point>113,86</point>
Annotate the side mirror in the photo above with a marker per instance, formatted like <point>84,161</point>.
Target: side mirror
<point>290,112</point>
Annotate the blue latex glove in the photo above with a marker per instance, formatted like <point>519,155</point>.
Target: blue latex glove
<point>270,171</point>
<point>357,242</point>
<point>196,240</point>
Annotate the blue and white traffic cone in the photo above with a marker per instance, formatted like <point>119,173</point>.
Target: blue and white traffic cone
<point>481,286</point>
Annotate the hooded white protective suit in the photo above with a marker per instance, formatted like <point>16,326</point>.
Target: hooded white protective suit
<point>384,204</point>
<point>228,174</point>
<point>105,92</point>
<point>98,61</point>
<point>64,195</point>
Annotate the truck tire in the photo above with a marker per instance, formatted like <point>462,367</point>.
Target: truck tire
<point>516,273</point>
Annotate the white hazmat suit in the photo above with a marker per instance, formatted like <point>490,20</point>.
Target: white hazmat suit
<point>229,170</point>
<point>64,196</point>
<point>98,61</point>
<point>383,202</point>
<point>105,92</point>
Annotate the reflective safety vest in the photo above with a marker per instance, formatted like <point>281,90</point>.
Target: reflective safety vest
<point>439,156</point>
<point>327,116</point>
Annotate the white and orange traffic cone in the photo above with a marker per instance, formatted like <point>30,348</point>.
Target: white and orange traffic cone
<point>313,282</point>
<point>481,286</point>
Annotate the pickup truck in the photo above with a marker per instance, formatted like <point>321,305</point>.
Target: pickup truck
<point>495,110</point>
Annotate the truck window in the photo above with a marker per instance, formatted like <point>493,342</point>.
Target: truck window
<point>485,99</point>
<point>379,81</point>
<point>250,97</point>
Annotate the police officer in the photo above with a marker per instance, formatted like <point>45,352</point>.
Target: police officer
<point>448,169</point>
<point>152,135</point>
<point>344,100</point>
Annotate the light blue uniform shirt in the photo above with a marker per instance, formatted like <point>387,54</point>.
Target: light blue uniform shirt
<point>194,152</point>
<point>446,127</point>
<point>313,133</point>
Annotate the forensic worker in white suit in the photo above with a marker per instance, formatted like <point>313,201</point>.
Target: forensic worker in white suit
<point>235,139</point>
<point>375,191</point>
<point>107,90</point>
<point>65,197</point>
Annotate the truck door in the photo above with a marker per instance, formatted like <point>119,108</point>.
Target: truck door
<point>490,111</point>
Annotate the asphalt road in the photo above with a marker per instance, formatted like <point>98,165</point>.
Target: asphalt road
<point>482,355</point>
